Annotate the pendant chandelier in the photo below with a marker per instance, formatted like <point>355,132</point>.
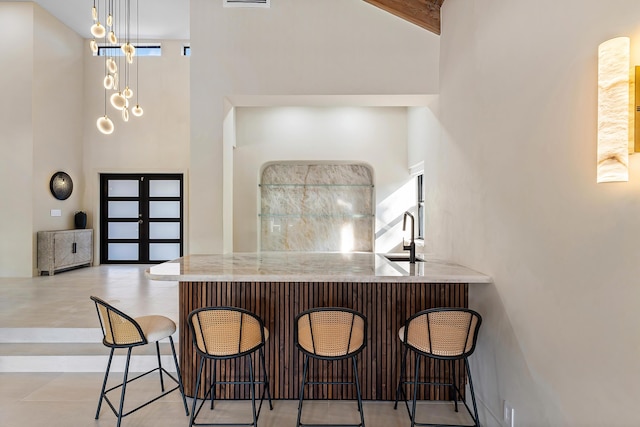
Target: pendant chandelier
<point>119,55</point>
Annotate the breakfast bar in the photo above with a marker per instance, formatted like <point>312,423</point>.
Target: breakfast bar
<point>278,285</point>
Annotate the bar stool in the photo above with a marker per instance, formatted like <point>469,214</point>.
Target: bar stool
<point>330,333</point>
<point>448,334</point>
<point>122,331</point>
<point>221,333</point>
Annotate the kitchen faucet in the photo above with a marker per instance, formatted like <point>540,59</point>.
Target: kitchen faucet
<point>412,245</point>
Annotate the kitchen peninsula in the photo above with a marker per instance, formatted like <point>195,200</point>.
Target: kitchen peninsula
<point>278,285</point>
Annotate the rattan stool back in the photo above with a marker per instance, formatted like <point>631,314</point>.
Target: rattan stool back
<point>442,333</point>
<point>226,332</point>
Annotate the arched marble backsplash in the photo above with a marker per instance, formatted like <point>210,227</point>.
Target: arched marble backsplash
<point>316,207</point>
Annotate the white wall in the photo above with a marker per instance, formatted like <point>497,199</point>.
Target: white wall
<point>57,120</point>
<point>423,127</point>
<point>376,136</point>
<point>297,47</point>
<point>157,142</point>
<point>420,135</point>
<point>16,165</point>
<point>519,201</point>
<point>40,121</point>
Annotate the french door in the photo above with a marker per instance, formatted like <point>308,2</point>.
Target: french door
<point>141,218</point>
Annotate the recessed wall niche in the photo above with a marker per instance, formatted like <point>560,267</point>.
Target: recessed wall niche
<point>318,207</point>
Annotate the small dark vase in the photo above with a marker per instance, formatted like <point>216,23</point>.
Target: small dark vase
<point>80,220</point>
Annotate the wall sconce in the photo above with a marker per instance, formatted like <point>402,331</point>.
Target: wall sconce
<point>613,110</point>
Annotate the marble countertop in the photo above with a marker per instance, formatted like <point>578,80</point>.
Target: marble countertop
<point>310,267</point>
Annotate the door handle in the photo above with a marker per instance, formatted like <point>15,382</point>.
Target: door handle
<point>73,248</point>
<point>140,221</point>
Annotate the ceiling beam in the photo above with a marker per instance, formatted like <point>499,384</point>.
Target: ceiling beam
<point>424,13</point>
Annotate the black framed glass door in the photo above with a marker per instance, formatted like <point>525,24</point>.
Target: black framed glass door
<point>141,218</point>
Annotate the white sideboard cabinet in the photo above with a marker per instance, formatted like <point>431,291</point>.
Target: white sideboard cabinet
<point>59,250</point>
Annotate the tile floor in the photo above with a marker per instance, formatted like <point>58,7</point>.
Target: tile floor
<point>43,307</point>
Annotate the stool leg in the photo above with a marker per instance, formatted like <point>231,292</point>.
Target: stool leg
<point>415,391</point>
<point>453,389</point>
<point>252,390</point>
<point>266,378</point>
<point>195,393</point>
<point>104,383</point>
<point>213,383</point>
<point>175,359</point>
<point>403,367</point>
<point>124,387</point>
<point>304,378</point>
<point>355,376</point>
<point>159,366</point>
<point>473,395</point>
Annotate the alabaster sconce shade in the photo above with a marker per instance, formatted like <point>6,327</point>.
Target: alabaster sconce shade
<point>613,110</point>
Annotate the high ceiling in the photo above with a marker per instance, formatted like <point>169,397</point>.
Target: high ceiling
<point>159,19</point>
<point>169,19</point>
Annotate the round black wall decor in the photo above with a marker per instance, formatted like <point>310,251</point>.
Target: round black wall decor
<point>61,185</point>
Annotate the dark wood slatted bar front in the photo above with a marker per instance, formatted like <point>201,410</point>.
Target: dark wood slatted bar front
<point>386,304</point>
